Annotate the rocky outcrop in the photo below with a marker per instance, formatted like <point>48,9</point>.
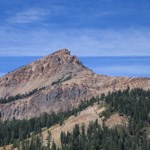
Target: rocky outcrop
<point>66,80</point>
<point>55,99</point>
<point>40,73</point>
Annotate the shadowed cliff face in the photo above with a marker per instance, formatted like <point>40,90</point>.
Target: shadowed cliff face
<point>67,82</point>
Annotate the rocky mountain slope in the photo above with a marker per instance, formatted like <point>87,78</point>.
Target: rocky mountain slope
<point>66,83</point>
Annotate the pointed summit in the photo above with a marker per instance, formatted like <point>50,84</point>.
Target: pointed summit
<point>42,72</point>
<point>62,51</point>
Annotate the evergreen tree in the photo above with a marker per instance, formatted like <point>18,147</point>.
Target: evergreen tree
<point>53,145</point>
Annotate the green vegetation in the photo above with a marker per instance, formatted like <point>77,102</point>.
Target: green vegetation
<point>103,138</point>
<point>133,103</point>
<point>61,80</point>
<point>36,143</point>
<point>19,96</point>
<point>16,130</point>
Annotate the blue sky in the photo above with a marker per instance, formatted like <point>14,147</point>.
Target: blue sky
<point>87,27</point>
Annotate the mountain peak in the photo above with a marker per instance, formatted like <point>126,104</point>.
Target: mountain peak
<point>62,51</point>
<point>64,83</point>
<point>42,72</point>
<point>63,56</point>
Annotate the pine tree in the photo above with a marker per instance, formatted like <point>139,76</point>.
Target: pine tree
<point>53,145</point>
<point>49,139</point>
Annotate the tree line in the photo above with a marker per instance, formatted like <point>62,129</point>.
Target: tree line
<point>133,103</point>
<point>19,96</point>
<point>16,130</point>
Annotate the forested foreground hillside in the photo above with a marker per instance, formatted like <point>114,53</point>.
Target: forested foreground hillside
<point>134,104</point>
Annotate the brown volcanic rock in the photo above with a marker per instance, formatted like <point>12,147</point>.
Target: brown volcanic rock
<point>77,83</point>
<point>40,73</point>
<point>53,99</point>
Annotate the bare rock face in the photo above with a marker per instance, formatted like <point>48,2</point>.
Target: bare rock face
<point>40,73</point>
<point>55,99</point>
<point>67,82</point>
